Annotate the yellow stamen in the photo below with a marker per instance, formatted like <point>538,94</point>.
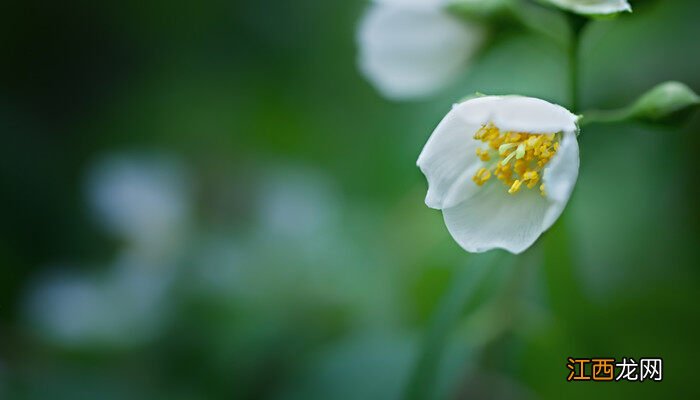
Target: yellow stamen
<point>481,176</point>
<point>530,175</point>
<point>503,149</point>
<point>483,154</point>
<point>515,187</point>
<point>519,157</point>
<point>508,158</point>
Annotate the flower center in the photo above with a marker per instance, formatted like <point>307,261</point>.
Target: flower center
<point>515,158</point>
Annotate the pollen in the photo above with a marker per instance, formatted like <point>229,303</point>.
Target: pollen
<point>483,155</point>
<point>514,158</point>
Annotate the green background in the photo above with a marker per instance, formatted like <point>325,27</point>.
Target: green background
<point>306,208</point>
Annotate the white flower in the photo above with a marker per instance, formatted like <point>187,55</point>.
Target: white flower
<point>143,199</point>
<point>413,48</point>
<point>593,7</point>
<point>501,169</point>
<point>126,306</point>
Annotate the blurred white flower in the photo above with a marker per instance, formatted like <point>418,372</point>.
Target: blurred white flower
<point>218,263</point>
<point>142,199</point>
<point>593,7</point>
<point>122,308</point>
<point>485,158</point>
<point>297,203</point>
<point>413,48</point>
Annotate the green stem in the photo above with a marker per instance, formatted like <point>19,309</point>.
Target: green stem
<point>423,380</point>
<point>577,24</point>
<point>505,310</point>
<point>595,116</point>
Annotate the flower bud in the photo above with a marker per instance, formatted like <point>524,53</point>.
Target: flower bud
<point>663,102</point>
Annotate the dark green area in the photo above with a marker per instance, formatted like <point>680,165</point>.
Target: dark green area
<point>246,95</point>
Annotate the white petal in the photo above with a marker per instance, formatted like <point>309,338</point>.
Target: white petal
<point>560,177</point>
<point>492,218</point>
<point>520,114</point>
<point>532,115</point>
<point>593,7</point>
<point>449,159</point>
<point>410,51</point>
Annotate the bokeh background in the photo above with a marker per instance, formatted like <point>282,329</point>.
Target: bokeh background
<point>207,200</point>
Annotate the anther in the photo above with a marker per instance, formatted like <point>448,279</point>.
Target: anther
<point>515,187</point>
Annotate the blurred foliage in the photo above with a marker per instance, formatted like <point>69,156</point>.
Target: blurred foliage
<point>308,266</point>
